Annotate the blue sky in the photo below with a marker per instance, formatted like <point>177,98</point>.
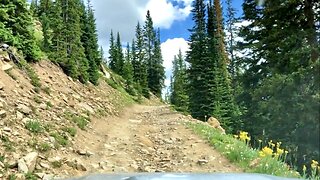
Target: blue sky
<point>173,17</point>
<point>180,28</point>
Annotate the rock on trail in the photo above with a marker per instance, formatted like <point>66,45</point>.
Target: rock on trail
<point>144,139</point>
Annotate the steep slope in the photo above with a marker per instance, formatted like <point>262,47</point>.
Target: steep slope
<point>65,129</point>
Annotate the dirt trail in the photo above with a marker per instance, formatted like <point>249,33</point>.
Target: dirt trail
<point>145,139</point>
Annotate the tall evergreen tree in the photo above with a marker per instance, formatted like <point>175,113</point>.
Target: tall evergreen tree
<point>47,17</point>
<point>140,66</point>
<point>16,19</point>
<point>179,97</point>
<point>119,56</point>
<point>224,105</point>
<point>281,79</point>
<point>230,23</point>
<point>90,43</point>
<point>156,68</point>
<point>128,72</point>
<point>201,102</point>
<point>112,53</point>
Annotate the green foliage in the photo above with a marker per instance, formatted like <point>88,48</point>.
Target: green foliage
<point>2,158</point>
<point>71,131</point>
<point>80,120</point>
<point>37,99</point>
<point>12,177</point>
<point>44,147</point>
<point>140,74</point>
<point>16,28</point>
<point>47,90</point>
<point>49,104</point>
<point>153,57</point>
<point>56,164</point>
<point>60,139</point>
<point>179,97</point>
<point>9,72</point>
<point>30,176</point>
<point>128,73</point>
<point>9,145</point>
<point>34,126</point>
<point>241,154</point>
<point>34,78</point>
<point>281,93</point>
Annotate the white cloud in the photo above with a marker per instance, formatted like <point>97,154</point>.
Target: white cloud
<point>169,49</point>
<point>164,13</point>
<point>123,16</point>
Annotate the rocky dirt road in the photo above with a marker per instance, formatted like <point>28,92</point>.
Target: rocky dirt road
<point>144,139</point>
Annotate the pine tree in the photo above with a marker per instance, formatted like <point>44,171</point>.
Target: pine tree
<point>149,43</point>
<point>230,23</point>
<point>112,53</point>
<point>15,18</point>
<point>119,56</point>
<point>224,105</point>
<point>128,72</point>
<point>34,8</point>
<point>156,68</point>
<point>57,49</point>
<point>200,100</point>
<point>90,43</point>
<point>69,50</point>
<point>179,97</point>
<point>281,78</point>
<point>139,64</point>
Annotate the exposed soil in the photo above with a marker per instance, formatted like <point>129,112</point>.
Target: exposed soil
<point>146,139</point>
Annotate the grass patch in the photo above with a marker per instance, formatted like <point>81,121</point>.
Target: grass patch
<point>79,120</point>
<point>34,78</point>
<point>2,158</point>
<point>34,126</point>
<point>60,140</point>
<point>30,176</point>
<point>56,164</point>
<point>37,99</point>
<point>70,130</point>
<point>11,75</point>
<point>12,177</point>
<point>47,127</point>
<point>44,147</point>
<point>49,104</point>
<point>9,145</point>
<point>239,153</point>
<point>46,90</point>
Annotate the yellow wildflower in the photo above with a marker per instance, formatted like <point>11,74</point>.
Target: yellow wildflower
<point>266,150</point>
<point>235,136</point>
<point>276,155</point>
<point>280,151</point>
<point>314,164</point>
<point>262,154</point>
<point>279,144</point>
<point>243,136</point>
<point>304,168</point>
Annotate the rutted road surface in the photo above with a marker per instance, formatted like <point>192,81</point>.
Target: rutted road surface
<point>144,139</point>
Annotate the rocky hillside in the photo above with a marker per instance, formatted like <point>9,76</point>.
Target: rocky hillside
<point>41,114</point>
<point>53,127</point>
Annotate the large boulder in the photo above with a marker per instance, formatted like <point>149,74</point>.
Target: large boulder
<point>24,109</point>
<point>213,122</point>
<point>28,163</point>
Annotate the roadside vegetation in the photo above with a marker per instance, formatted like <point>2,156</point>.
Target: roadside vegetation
<point>268,158</point>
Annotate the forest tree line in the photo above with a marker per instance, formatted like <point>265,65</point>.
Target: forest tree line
<point>65,32</point>
<point>272,90</point>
